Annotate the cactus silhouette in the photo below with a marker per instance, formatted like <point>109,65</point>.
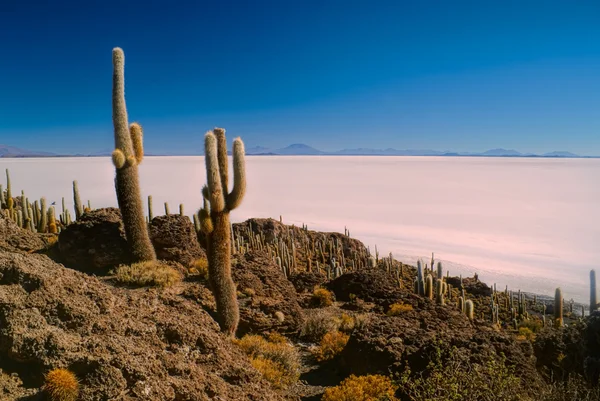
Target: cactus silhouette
<point>128,154</point>
<point>214,221</point>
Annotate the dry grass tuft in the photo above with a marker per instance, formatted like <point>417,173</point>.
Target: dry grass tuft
<point>362,388</point>
<point>322,298</point>
<point>275,358</point>
<point>398,309</point>
<point>152,273</point>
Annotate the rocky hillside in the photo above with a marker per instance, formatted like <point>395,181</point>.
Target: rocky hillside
<point>307,325</point>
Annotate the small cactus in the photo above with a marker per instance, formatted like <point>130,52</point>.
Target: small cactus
<point>470,309</point>
<point>61,385</point>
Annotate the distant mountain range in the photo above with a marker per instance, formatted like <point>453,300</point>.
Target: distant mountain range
<point>299,149</point>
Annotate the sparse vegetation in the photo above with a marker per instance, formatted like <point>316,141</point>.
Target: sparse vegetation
<point>450,377</point>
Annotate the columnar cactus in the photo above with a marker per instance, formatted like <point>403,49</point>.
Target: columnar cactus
<point>77,201</point>
<point>214,221</point>
<point>439,292</point>
<point>9,199</point>
<point>593,299</point>
<point>128,154</point>
<point>558,307</point>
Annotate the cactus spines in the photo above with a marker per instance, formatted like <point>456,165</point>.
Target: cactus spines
<point>593,299</point>
<point>214,221</point>
<point>77,201</point>
<point>126,163</point>
<point>440,272</point>
<point>469,309</point>
<point>558,307</point>
<point>461,304</point>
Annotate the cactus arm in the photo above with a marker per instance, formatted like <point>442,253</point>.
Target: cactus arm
<point>239,175</point>
<point>122,135</point>
<point>215,189</point>
<point>222,156</point>
<point>118,158</point>
<point>137,138</point>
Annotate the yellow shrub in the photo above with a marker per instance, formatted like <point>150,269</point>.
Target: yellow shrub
<point>275,358</point>
<point>362,388</point>
<point>399,308</point>
<point>321,297</point>
<point>331,345</point>
<point>61,385</point>
<point>526,333</point>
<point>151,273</point>
<point>200,268</point>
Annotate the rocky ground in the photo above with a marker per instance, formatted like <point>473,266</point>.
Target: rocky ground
<point>60,307</point>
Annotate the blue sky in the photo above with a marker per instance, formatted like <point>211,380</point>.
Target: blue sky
<point>445,75</point>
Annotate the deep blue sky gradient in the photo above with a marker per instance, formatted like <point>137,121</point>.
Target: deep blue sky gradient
<point>445,75</point>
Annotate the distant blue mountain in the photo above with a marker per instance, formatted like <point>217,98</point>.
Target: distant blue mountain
<point>298,149</point>
<point>11,151</point>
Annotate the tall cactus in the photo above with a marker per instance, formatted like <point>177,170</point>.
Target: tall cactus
<point>214,221</point>
<point>128,154</point>
<point>558,307</point>
<point>593,299</point>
